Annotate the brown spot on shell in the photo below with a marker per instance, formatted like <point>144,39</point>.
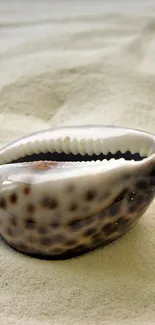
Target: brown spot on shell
<point>3,203</point>
<point>90,194</point>
<point>109,228</point>
<point>142,184</point>
<point>151,177</point>
<point>75,224</point>
<point>90,231</point>
<point>121,195</point>
<point>73,207</point>
<point>13,198</point>
<point>30,223</point>
<point>49,203</point>
<point>27,190</point>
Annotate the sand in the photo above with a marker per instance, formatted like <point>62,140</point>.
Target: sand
<point>68,63</point>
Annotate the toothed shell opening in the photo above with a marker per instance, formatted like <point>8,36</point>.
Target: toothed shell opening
<point>65,150</point>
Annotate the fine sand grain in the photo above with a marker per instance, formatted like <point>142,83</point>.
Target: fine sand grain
<point>67,63</point>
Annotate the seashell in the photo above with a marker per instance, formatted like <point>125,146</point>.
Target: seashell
<point>66,191</point>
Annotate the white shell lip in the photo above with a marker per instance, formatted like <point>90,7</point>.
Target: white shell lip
<point>86,139</point>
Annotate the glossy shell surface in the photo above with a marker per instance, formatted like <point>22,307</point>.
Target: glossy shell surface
<point>66,191</point>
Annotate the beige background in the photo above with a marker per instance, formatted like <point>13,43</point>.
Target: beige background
<point>66,63</point>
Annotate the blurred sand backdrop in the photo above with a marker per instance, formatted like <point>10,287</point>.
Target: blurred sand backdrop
<point>67,63</point>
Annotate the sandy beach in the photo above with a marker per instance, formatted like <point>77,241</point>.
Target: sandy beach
<point>67,63</point>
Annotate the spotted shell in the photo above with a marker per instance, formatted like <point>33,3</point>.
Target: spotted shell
<point>66,191</point>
